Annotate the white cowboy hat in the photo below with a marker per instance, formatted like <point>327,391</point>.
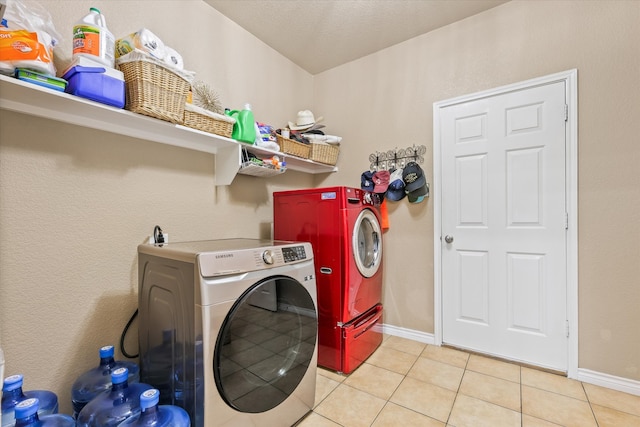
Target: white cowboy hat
<point>304,121</point>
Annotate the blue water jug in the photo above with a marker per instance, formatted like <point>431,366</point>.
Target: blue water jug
<point>12,394</point>
<point>27,416</point>
<point>98,380</point>
<point>154,415</point>
<point>112,407</point>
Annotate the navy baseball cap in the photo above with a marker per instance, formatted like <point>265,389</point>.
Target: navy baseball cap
<point>396,191</point>
<point>366,181</point>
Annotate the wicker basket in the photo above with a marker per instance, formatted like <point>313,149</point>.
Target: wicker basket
<point>324,153</point>
<point>154,90</point>
<point>208,121</point>
<point>295,148</point>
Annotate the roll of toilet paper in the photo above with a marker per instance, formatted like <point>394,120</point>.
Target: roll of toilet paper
<point>173,58</point>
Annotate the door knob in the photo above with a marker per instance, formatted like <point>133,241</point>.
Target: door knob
<point>448,238</point>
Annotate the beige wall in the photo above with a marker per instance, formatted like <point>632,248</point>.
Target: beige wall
<point>385,100</point>
<point>74,203</point>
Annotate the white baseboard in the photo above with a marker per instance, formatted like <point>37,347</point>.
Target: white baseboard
<point>410,334</point>
<point>585,375</point>
<point>609,381</point>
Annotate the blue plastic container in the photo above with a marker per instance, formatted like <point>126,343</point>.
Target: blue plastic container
<point>96,84</point>
<point>115,406</point>
<point>98,380</point>
<point>12,394</point>
<point>154,415</point>
<point>27,416</point>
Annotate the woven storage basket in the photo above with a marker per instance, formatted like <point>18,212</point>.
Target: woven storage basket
<point>324,153</point>
<point>208,121</point>
<point>153,89</point>
<point>292,147</point>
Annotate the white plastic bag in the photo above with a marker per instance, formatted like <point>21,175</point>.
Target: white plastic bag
<point>27,38</point>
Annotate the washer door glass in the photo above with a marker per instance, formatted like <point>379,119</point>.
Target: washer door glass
<point>367,243</point>
<point>266,345</point>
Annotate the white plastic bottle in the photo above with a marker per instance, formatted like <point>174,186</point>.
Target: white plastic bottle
<point>92,38</point>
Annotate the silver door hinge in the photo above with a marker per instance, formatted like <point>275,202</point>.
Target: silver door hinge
<point>566,220</point>
<point>566,112</point>
<point>567,328</point>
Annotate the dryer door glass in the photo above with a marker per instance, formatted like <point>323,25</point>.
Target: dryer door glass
<point>367,243</point>
<point>265,348</point>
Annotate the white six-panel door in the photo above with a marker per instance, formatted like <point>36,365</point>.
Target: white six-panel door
<point>503,225</point>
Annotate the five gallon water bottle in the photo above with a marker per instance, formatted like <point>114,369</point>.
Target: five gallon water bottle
<point>92,39</point>
<point>27,416</point>
<point>98,380</point>
<point>115,406</point>
<point>12,394</point>
<point>154,415</point>
<point>1,368</point>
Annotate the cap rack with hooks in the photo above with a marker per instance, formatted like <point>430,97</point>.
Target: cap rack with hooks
<point>396,158</point>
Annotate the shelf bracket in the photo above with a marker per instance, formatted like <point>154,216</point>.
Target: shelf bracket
<point>227,162</point>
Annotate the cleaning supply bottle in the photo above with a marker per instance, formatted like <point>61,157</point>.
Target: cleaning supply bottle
<point>97,380</point>
<point>112,407</point>
<point>12,394</point>
<point>244,128</point>
<point>92,38</point>
<point>27,416</point>
<point>154,415</point>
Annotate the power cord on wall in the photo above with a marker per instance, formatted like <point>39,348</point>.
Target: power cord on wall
<point>158,239</point>
<point>124,334</point>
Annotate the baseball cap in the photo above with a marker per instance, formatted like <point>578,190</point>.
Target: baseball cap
<point>381,181</point>
<point>366,181</point>
<point>418,195</point>
<point>413,177</point>
<point>396,191</point>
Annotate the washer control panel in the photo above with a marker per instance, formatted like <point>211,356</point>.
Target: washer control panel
<point>293,253</point>
<point>224,262</point>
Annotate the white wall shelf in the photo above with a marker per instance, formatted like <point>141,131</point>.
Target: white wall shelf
<point>28,98</point>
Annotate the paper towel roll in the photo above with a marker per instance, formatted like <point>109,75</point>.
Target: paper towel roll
<point>144,40</point>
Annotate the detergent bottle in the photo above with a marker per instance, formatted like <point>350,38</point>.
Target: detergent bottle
<point>92,39</point>
<point>245,127</point>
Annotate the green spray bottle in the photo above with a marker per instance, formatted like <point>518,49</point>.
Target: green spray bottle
<point>245,127</point>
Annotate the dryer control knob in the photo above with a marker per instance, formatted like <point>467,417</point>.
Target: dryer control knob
<point>267,257</point>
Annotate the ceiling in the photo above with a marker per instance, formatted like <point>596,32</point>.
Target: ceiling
<point>321,34</point>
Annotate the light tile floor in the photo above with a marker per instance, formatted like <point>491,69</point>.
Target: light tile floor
<point>407,383</point>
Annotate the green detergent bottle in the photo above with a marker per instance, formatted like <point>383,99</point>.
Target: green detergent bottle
<point>245,127</point>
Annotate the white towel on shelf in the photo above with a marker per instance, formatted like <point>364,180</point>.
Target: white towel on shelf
<point>329,139</point>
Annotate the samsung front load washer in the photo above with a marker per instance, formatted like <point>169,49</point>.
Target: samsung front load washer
<point>228,329</point>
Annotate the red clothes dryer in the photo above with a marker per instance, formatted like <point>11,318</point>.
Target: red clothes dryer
<point>343,226</point>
